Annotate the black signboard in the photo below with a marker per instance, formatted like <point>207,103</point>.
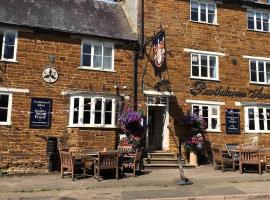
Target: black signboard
<point>233,121</point>
<point>40,116</point>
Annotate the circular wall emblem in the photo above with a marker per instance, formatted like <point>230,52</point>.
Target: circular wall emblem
<point>50,75</point>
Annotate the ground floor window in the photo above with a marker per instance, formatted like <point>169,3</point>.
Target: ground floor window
<point>93,111</point>
<point>211,115</point>
<point>257,119</point>
<point>5,108</point>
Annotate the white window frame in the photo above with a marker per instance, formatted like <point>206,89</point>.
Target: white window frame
<point>256,119</point>
<point>208,66</point>
<point>102,44</point>
<point>255,20</point>
<point>199,2</point>
<point>15,45</point>
<point>257,71</point>
<point>8,122</point>
<point>92,118</point>
<point>210,116</point>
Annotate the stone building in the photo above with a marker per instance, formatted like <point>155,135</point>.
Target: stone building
<point>65,68</point>
<point>218,66</point>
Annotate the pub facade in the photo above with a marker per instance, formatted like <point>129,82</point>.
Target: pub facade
<point>217,64</point>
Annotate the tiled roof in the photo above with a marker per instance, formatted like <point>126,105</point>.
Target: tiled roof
<point>88,17</point>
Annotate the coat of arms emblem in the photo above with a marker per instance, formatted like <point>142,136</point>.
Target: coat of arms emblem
<point>159,50</point>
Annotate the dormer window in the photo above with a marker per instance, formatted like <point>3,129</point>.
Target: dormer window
<point>8,49</point>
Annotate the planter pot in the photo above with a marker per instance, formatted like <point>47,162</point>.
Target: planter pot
<point>193,159</point>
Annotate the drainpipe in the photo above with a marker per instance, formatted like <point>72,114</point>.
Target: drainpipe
<point>142,30</point>
<point>135,70</point>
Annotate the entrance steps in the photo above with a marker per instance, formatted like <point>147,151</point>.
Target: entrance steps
<point>161,159</point>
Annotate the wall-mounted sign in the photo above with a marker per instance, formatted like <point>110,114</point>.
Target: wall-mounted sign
<point>40,116</point>
<point>50,74</point>
<point>159,51</point>
<point>233,121</point>
<point>200,88</point>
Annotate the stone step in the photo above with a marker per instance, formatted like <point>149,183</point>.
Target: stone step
<point>154,166</point>
<point>160,161</point>
<point>161,155</point>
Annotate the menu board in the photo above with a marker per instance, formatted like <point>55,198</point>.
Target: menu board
<point>233,121</point>
<point>40,116</point>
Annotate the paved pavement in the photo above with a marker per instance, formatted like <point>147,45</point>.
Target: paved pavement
<point>155,184</point>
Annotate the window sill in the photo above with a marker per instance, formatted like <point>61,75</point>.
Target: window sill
<point>103,127</point>
<point>198,22</point>
<point>260,84</point>
<point>257,31</point>
<point>248,132</point>
<point>8,61</point>
<point>213,131</point>
<point>205,79</point>
<point>5,124</point>
<point>92,69</point>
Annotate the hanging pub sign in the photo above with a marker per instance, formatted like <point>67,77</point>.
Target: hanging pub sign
<point>233,121</point>
<point>159,52</point>
<point>40,115</point>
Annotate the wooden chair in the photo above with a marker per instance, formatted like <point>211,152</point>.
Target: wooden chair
<point>125,149</point>
<point>67,164</point>
<point>133,161</point>
<point>105,161</point>
<point>267,161</point>
<point>221,158</point>
<point>250,155</point>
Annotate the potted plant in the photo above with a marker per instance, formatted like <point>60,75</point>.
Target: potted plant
<point>130,123</point>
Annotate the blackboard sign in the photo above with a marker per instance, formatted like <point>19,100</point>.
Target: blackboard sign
<point>233,121</point>
<point>40,116</point>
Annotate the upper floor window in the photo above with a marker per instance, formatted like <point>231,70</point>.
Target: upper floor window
<point>257,119</point>
<point>93,111</point>
<point>8,41</point>
<point>204,66</point>
<point>259,71</point>
<point>258,21</point>
<point>96,55</point>
<point>203,11</point>
<point>5,108</point>
<point>210,114</point>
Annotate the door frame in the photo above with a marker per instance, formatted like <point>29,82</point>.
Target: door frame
<point>165,138</point>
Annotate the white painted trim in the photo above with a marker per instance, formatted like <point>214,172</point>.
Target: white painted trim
<point>9,109</point>
<point>5,89</point>
<point>205,102</point>
<point>245,104</point>
<point>166,134</point>
<point>256,58</point>
<point>204,52</point>
<point>15,46</point>
<point>156,93</point>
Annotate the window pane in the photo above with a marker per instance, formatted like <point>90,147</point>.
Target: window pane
<point>87,48</point>
<point>108,105</point>
<point>10,39</point>
<point>3,115</point>
<point>107,62</point>
<point>196,110</point>
<point>258,21</point>
<point>108,118</point>
<point>98,104</point>
<point>98,118</point>
<point>195,70</point>
<point>268,118</point>
<point>76,111</point>
<point>203,12</point>
<point>204,66</point>
<point>87,111</point>
<point>213,67</point>
<point>1,44</point>
<point>4,100</point>
<point>194,11</point>
<point>97,56</point>
<point>251,124</point>
<point>265,22</point>
<point>211,13</point>
<point>214,123</point>
<point>253,71</point>
<point>205,111</point>
<point>195,59</point>
<point>261,119</point>
<point>9,52</point>
<point>268,72</point>
<point>261,71</point>
<point>86,60</point>
<point>250,20</point>
<point>107,51</point>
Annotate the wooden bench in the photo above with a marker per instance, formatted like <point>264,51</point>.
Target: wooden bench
<point>250,155</point>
